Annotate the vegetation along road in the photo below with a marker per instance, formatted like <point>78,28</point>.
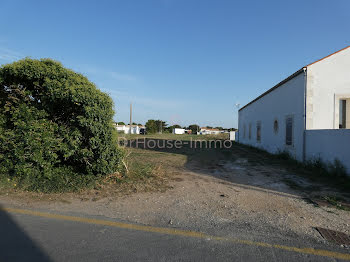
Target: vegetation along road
<point>69,191</point>
<point>188,204</point>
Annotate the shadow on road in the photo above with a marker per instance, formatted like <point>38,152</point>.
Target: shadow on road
<point>15,244</point>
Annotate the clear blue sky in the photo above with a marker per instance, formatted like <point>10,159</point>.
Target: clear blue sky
<point>183,61</point>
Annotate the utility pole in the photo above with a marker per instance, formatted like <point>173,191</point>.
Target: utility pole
<point>237,105</point>
<point>130,118</point>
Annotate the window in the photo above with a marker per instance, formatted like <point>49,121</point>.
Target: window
<point>250,131</point>
<point>275,126</point>
<point>342,114</point>
<point>289,131</point>
<point>258,131</point>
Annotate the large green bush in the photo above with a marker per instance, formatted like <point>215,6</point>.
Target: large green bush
<point>56,131</point>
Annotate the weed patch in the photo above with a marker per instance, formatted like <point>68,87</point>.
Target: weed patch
<point>337,202</point>
<point>332,174</point>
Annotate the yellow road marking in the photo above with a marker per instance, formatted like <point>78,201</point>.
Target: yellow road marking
<point>179,232</point>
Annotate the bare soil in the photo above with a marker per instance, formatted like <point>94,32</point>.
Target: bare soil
<point>225,192</point>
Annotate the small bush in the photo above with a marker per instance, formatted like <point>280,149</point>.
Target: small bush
<point>141,171</point>
<point>317,164</point>
<point>319,167</point>
<point>284,155</point>
<point>334,174</point>
<point>56,131</point>
<point>337,169</point>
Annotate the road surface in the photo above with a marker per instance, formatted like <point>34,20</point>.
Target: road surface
<point>29,235</point>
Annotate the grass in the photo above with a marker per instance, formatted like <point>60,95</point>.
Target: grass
<point>335,201</point>
<point>331,174</point>
<point>147,171</point>
<point>151,170</point>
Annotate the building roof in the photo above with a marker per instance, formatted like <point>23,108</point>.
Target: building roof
<point>210,129</point>
<point>141,126</point>
<point>290,77</point>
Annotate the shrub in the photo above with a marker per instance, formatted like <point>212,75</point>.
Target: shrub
<point>337,168</point>
<point>284,155</point>
<point>56,131</point>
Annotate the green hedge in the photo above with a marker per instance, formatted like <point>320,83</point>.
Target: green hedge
<point>56,131</point>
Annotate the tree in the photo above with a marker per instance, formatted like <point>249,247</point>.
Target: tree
<point>121,123</point>
<point>155,126</point>
<point>56,127</point>
<point>151,126</point>
<point>219,127</point>
<point>161,125</point>
<point>194,128</point>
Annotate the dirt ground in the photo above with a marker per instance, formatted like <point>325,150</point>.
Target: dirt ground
<point>233,192</point>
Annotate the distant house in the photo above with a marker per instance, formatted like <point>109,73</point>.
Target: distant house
<point>135,129</point>
<point>209,131</point>
<point>233,135</point>
<point>178,131</point>
<point>306,115</point>
<point>181,131</point>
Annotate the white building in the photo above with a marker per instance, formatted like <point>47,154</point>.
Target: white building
<point>233,135</point>
<point>209,131</point>
<point>307,114</point>
<point>135,129</point>
<point>179,131</point>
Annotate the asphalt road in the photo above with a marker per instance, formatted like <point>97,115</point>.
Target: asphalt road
<point>38,236</point>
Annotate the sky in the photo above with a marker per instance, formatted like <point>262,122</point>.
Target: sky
<point>182,61</point>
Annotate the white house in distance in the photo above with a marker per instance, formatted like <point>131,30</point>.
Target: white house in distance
<point>135,129</point>
<point>233,135</point>
<point>179,131</point>
<point>307,114</point>
<point>209,131</point>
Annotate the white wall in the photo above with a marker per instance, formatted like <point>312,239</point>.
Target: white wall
<point>179,131</point>
<point>209,132</point>
<point>327,81</point>
<point>329,145</point>
<point>232,135</point>
<point>119,128</point>
<point>288,99</point>
<point>134,130</point>
<point>126,129</point>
